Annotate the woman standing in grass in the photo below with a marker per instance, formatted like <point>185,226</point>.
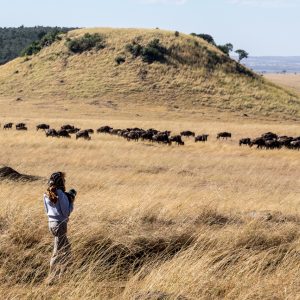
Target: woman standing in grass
<point>58,206</point>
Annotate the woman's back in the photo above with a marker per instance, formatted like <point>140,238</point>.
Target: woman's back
<point>59,211</point>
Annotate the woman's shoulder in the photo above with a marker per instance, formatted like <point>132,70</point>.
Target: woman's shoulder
<point>60,193</point>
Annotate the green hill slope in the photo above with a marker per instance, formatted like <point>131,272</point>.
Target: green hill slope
<point>191,75</point>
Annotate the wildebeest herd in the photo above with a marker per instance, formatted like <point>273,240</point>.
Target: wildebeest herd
<point>271,140</point>
<point>267,140</point>
<point>152,135</point>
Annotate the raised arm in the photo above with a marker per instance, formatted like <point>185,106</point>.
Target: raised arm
<point>65,205</point>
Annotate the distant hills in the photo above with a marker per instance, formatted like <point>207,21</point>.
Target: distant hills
<point>273,64</point>
<point>14,40</point>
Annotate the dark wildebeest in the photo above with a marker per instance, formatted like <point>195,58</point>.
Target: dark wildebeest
<point>83,134</point>
<point>51,132</point>
<point>115,131</point>
<point>136,129</point>
<point>177,139</point>
<point>295,145</point>
<point>67,127</point>
<point>269,136</point>
<point>245,141</point>
<point>22,128</point>
<point>161,138</point>
<point>42,126</point>
<point>74,130</point>
<point>104,129</point>
<point>90,131</point>
<point>148,135</point>
<point>20,125</point>
<point>63,133</point>
<point>8,126</point>
<point>272,144</point>
<point>133,135</point>
<point>121,132</point>
<point>285,141</point>
<point>166,132</point>
<point>152,130</point>
<point>187,133</point>
<point>223,135</point>
<point>259,142</point>
<point>201,138</point>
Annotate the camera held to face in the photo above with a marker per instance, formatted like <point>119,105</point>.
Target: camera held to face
<point>71,194</point>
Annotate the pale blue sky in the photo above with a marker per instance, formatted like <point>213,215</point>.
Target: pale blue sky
<point>262,27</point>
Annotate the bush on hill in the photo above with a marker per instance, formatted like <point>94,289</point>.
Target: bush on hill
<point>226,49</point>
<point>32,49</point>
<point>153,51</point>
<point>208,38</point>
<point>86,43</point>
<point>45,41</point>
<point>135,49</point>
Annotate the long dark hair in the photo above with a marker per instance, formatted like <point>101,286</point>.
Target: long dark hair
<point>55,182</point>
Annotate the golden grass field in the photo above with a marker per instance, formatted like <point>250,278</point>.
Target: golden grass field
<point>203,221</point>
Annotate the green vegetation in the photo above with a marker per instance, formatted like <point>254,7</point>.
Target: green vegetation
<point>226,49</point>
<point>14,40</point>
<point>153,51</point>
<point>242,54</point>
<point>47,40</point>
<point>206,37</point>
<point>86,43</point>
<point>134,48</point>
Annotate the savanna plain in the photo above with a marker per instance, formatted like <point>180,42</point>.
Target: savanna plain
<point>202,221</point>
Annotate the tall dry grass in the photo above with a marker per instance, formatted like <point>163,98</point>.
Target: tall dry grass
<point>203,221</point>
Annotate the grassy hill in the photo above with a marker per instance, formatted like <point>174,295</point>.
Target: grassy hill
<point>194,75</point>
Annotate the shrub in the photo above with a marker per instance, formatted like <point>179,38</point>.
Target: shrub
<point>177,33</point>
<point>50,38</point>
<point>154,51</point>
<point>32,49</point>
<point>135,49</point>
<point>45,41</point>
<point>208,38</point>
<point>226,49</point>
<point>120,59</point>
<point>86,43</point>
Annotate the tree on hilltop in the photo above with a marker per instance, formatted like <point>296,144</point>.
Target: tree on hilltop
<point>208,38</point>
<point>242,54</point>
<point>226,49</point>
